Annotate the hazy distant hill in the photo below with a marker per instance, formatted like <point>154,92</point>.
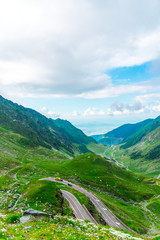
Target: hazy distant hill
<point>40,130</point>
<point>120,134</point>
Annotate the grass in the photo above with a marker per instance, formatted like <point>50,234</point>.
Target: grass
<point>130,160</point>
<point>96,171</point>
<point>5,181</point>
<point>154,206</point>
<point>61,228</point>
<point>97,148</point>
<point>41,195</point>
<point>13,218</point>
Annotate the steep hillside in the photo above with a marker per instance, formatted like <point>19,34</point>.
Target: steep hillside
<point>96,171</point>
<point>143,157</point>
<point>142,132</point>
<point>148,147</point>
<point>41,130</point>
<point>121,133</point>
<point>75,134</point>
<point>138,149</point>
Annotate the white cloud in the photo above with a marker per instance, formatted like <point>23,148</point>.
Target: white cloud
<point>139,107</point>
<point>156,108</point>
<point>119,108</point>
<point>122,89</point>
<point>21,72</point>
<point>75,114</point>
<point>116,109</point>
<point>91,111</point>
<point>146,98</point>
<point>151,101</point>
<point>63,48</point>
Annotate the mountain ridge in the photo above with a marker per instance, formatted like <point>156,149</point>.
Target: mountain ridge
<point>121,133</point>
<point>40,129</point>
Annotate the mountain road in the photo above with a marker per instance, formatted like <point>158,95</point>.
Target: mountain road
<point>78,209</point>
<point>107,215</point>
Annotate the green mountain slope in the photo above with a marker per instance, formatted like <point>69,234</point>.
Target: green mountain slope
<point>142,132</point>
<point>75,134</point>
<point>41,130</point>
<point>139,151</point>
<point>143,157</point>
<point>121,133</point>
<point>96,171</point>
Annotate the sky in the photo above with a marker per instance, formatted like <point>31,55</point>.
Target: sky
<point>94,63</point>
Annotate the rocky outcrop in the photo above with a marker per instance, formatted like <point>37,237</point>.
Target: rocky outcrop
<point>34,213</point>
<point>30,213</point>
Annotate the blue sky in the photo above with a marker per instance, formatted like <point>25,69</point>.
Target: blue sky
<point>94,63</point>
<point>135,73</point>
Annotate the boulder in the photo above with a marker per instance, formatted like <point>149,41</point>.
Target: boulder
<point>35,213</point>
<point>25,218</point>
<point>30,213</point>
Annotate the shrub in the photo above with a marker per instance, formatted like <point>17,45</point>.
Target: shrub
<point>13,218</point>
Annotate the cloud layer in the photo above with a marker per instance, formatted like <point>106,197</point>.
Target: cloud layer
<point>64,48</point>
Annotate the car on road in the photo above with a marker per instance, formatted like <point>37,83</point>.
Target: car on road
<point>58,179</point>
<point>69,184</point>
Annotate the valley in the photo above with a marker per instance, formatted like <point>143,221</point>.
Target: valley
<point>124,180</point>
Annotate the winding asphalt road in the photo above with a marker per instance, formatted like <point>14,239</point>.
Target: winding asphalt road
<point>107,215</point>
<point>78,209</point>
